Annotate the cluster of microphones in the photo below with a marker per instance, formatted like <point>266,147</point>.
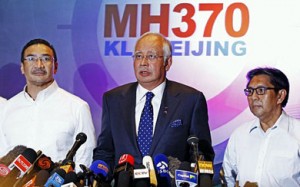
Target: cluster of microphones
<point>24,167</point>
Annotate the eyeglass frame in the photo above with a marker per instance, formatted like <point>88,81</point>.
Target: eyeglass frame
<point>147,57</point>
<point>264,89</point>
<point>37,58</point>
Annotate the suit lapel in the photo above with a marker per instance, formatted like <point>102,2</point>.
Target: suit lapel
<point>168,106</point>
<point>128,115</point>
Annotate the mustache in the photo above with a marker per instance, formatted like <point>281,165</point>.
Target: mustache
<point>39,70</point>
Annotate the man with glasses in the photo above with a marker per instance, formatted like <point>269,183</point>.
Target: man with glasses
<point>174,111</point>
<point>265,152</point>
<point>44,116</point>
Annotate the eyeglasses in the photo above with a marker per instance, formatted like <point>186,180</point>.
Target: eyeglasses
<point>44,59</point>
<point>150,57</point>
<point>259,90</point>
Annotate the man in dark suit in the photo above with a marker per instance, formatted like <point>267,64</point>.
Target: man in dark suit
<point>178,110</point>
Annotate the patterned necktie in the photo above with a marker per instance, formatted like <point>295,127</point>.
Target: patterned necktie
<point>146,126</point>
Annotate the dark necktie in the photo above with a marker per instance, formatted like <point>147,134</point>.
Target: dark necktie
<point>146,126</point>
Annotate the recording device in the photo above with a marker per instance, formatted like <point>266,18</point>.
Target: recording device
<point>184,177</point>
<point>19,167</point>
<point>141,177</point>
<point>56,179</point>
<point>80,139</point>
<point>148,163</point>
<point>125,163</point>
<point>162,170</point>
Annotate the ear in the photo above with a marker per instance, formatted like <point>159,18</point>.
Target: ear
<point>22,68</point>
<point>55,67</point>
<point>281,96</point>
<point>168,63</point>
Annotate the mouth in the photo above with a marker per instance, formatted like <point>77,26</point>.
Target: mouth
<point>144,73</point>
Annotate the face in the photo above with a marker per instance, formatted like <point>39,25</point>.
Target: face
<point>151,73</point>
<point>265,106</point>
<point>38,73</point>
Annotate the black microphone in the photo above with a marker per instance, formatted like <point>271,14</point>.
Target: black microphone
<point>124,179</point>
<point>203,167</point>
<point>125,163</point>
<point>80,139</point>
<point>70,179</point>
<point>19,167</point>
<point>141,177</point>
<point>87,175</point>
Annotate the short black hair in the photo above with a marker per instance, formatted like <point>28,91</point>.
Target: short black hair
<point>277,78</point>
<point>38,41</point>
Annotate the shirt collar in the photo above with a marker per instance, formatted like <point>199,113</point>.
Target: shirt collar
<point>158,91</point>
<point>281,123</point>
<point>42,95</point>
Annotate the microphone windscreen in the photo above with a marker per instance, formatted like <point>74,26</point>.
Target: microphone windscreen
<point>126,158</point>
<point>41,177</point>
<point>81,137</point>
<point>174,164</point>
<point>161,165</point>
<point>70,177</point>
<point>12,154</point>
<point>99,167</point>
<point>45,163</point>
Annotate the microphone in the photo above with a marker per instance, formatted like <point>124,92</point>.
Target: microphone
<point>124,179</point>
<point>203,167</point>
<point>45,163</point>
<point>141,177</point>
<point>148,163</point>
<point>80,139</point>
<point>184,177</point>
<point>100,170</point>
<point>87,173</point>
<point>38,180</point>
<point>125,163</point>
<point>162,170</point>
<point>70,179</point>
<point>4,170</point>
<point>12,154</point>
<point>222,178</point>
<point>56,179</point>
<point>19,167</point>
<point>67,165</point>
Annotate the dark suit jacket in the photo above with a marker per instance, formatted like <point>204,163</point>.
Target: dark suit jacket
<point>183,112</point>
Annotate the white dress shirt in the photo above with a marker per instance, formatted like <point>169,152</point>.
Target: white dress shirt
<point>50,124</point>
<point>141,100</point>
<point>270,158</point>
<point>2,102</point>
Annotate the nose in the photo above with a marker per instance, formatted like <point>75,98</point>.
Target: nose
<point>144,61</point>
<point>39,63</point>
